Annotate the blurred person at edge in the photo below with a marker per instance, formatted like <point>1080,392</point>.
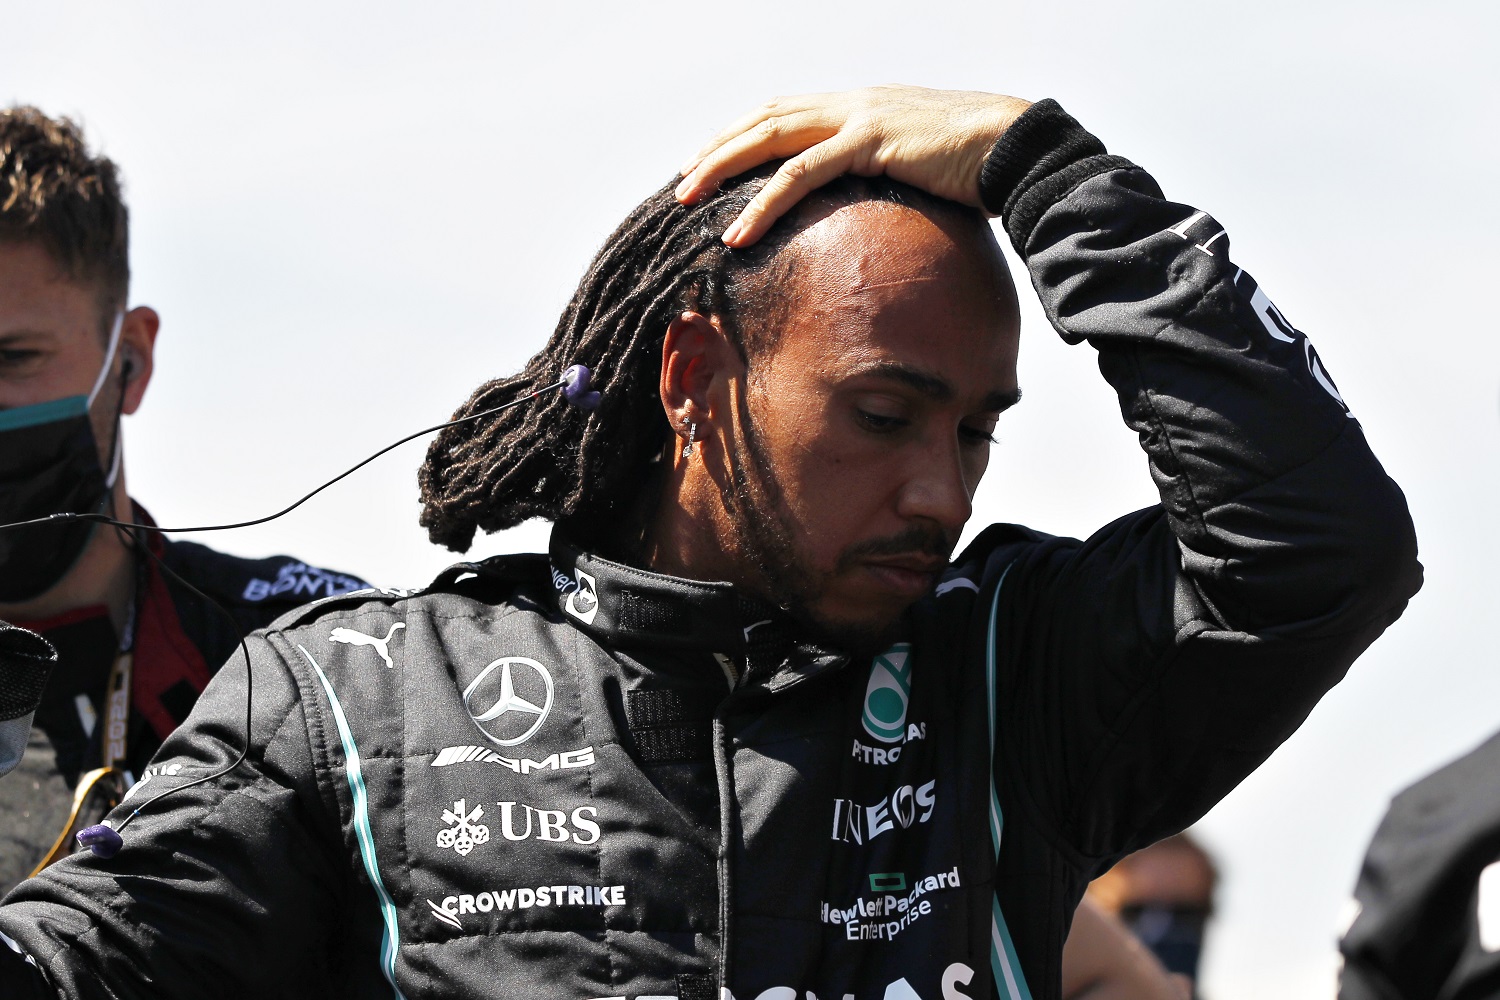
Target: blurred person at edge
<point>1164,894</point>
<point>1424,923</point>
<point>135,646</point>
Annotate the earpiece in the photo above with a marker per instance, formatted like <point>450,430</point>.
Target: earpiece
<point>102,839</point>
<point>576,387</point>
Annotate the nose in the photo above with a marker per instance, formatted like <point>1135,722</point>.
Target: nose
<point>937,487</point>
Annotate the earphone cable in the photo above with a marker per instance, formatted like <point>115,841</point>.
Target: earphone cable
<point>106,519</point>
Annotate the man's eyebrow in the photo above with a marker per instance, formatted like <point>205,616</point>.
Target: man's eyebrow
<point>7,336</point>
<point>936,388</point>
<point>932,386</point>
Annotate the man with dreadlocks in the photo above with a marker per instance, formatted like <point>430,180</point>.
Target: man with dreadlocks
<point>745,731</point>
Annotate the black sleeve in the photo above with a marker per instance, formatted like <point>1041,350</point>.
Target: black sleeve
<point>1152,666</point>
<point>226,882</point>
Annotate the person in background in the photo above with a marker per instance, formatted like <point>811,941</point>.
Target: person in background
<point>1102,960</point>
<point>1424,923</point>
<point>135,644</point>
<point>1164,894</point>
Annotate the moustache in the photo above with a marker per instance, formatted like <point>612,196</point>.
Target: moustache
<point>916,540</point>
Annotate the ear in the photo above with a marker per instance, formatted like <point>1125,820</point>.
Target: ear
<point>698,361</point>
<point>137,353</point>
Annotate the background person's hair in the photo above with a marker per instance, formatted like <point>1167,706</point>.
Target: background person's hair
<point>57,196</point>
<point>548,459</point>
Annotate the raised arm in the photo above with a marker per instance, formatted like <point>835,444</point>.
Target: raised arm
<point>1146,670</point>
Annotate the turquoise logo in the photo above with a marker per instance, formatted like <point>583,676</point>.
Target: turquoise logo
<point>888,693</point>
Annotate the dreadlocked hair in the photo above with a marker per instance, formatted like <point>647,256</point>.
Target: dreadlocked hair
<point>547,458</point>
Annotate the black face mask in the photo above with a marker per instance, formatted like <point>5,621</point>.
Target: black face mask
<point>49,464</point>
<point>1173,933</point>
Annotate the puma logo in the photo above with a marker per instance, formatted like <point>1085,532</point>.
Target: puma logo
<point>353,638</point>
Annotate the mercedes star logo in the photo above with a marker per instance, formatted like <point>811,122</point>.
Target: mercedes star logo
<point>514,714</point>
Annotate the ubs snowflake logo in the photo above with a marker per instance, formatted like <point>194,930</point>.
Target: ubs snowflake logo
<point>465,833</point>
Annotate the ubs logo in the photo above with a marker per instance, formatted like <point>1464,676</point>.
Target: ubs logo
<point>888,694</point>
<point>583,603</point>
<point>510,699</point>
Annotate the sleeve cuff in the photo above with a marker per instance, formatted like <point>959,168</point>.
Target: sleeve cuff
<point>1044,143</point>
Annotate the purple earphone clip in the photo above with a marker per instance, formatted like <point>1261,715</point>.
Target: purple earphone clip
<point>104,840</point>
<point>576,387</point>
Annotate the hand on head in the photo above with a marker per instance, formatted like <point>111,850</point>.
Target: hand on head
<point>935,140</point>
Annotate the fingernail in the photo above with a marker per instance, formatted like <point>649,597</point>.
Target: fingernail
<point>689,167</point>
<point>733,232</point>
<point>683,187</point>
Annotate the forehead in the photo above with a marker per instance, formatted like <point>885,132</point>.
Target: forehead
<point>37,296</point>
<point>876,282</point>
<point>1167,873</point>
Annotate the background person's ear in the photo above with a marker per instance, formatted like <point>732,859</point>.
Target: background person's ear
<point>137,353</point>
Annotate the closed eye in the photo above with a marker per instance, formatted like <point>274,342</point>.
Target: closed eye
<point>976,435</point>
<point>17,357</point>
<point>881,423</point>
<point>979,428</point>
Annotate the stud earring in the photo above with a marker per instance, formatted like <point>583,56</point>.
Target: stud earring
<point>687,449</point>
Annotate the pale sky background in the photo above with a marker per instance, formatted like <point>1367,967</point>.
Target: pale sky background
<point>350,214</point>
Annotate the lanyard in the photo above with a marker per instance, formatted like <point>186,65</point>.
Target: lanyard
<point>117,709</point>
<point>113,745</point>
<point>101,789</point>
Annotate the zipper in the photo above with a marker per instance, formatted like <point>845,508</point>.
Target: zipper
<point>727,823</point>
<point>730,673</point>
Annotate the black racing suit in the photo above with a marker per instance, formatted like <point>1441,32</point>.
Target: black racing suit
<point>560,776</point>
